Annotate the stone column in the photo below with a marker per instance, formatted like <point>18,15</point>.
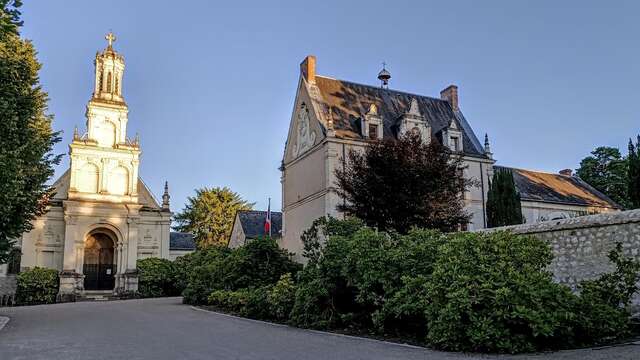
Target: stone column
<point>117,288</point>
<point>70,280</point>
<point>131,272</point>
<point>165,238</point>
<point>103,179</point>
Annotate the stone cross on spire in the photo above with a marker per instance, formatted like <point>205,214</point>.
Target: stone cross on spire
<point>110,38</point>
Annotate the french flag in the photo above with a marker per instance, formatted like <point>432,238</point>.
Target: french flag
<point>267,221</point>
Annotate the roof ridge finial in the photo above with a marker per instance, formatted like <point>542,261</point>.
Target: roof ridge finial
<point>166,196</point>
<point>384,75</point>
<point>487,147</point>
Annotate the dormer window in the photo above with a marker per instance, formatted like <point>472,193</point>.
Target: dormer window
<point>455,143</point>
<point>371,124</point>
<point>414,122</point>
<point>452,137</point>
<point>373,131</point>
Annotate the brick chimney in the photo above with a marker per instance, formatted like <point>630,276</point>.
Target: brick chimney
<point>450,94</point>
<point>566,172</point>
<point>308,69</point>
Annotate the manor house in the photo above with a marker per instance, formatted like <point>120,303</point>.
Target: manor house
<point>331,117</point>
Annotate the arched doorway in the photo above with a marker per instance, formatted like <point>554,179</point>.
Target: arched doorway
<point>99,260</point>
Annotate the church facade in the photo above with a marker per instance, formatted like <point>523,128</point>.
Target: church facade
<point>103,218</point>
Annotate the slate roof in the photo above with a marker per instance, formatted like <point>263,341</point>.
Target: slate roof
<point>181,241</point>
<point>252,222</point>
<point>350,101</point>
<point>558,189</point>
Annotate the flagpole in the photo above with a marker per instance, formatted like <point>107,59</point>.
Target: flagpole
<point>269,215</point>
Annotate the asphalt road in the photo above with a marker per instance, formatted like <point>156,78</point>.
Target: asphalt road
<point>165,329</point>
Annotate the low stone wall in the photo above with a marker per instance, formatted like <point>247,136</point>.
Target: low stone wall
<point>581,244</point>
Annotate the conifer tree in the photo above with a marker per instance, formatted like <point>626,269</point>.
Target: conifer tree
<point>634,173</point>
<point>503,200</point>
<point>26,137</point>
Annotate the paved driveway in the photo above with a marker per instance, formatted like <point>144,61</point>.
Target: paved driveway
<point>165,329</point>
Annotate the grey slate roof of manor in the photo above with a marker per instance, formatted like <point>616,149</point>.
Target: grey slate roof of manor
<point>557,189</point>
<point>181,241</point>
<point>349,102</point>
<point>252,222</point>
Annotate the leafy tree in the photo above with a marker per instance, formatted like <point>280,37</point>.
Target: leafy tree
<point>209,215</point>
<point>404,183</point>
<point>606,170</point>
<point>634,173</point>
<point>503,200</point>
<point>26,136</point>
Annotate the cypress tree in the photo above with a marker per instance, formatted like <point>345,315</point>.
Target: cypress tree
<point>634,173</point>
<point>503,200</point>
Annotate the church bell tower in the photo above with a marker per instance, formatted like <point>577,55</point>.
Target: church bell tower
<point>104,162</point>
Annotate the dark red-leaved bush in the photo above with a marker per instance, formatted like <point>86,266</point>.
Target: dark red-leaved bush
<point>397,184</point>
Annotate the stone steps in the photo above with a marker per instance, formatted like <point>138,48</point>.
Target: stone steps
<point>96,296</point>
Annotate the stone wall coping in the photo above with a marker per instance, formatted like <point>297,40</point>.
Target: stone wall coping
<point>588,221</point>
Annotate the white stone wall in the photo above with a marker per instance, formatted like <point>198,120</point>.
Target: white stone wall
<point>581,244</point>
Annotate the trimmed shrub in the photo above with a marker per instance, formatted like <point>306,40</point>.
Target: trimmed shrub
<point>37,286</point>
<point>204,273</point>
<point>157,278</point>
<point>249,302</point>
<point>603,307</point>
<point>281,298</point>
<point>492,293</point>
<point>258,264</point>
<point>354,271</point>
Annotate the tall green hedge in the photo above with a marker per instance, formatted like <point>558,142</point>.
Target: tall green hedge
<point>480,292</point>
<point>259,263</point>
<point>158,277</point>
<point>477,292</point>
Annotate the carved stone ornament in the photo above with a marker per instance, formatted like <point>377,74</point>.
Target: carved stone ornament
<point>306,137</point>
<point>413,108</point>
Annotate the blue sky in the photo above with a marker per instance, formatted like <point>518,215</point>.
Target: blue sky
<point>210,85</point>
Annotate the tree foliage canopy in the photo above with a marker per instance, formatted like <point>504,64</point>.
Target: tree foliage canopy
<point>503,200</point>
<point>606,170</point>
<point>404,183</point>
<point>26,136</point>
<point>209,215</point>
